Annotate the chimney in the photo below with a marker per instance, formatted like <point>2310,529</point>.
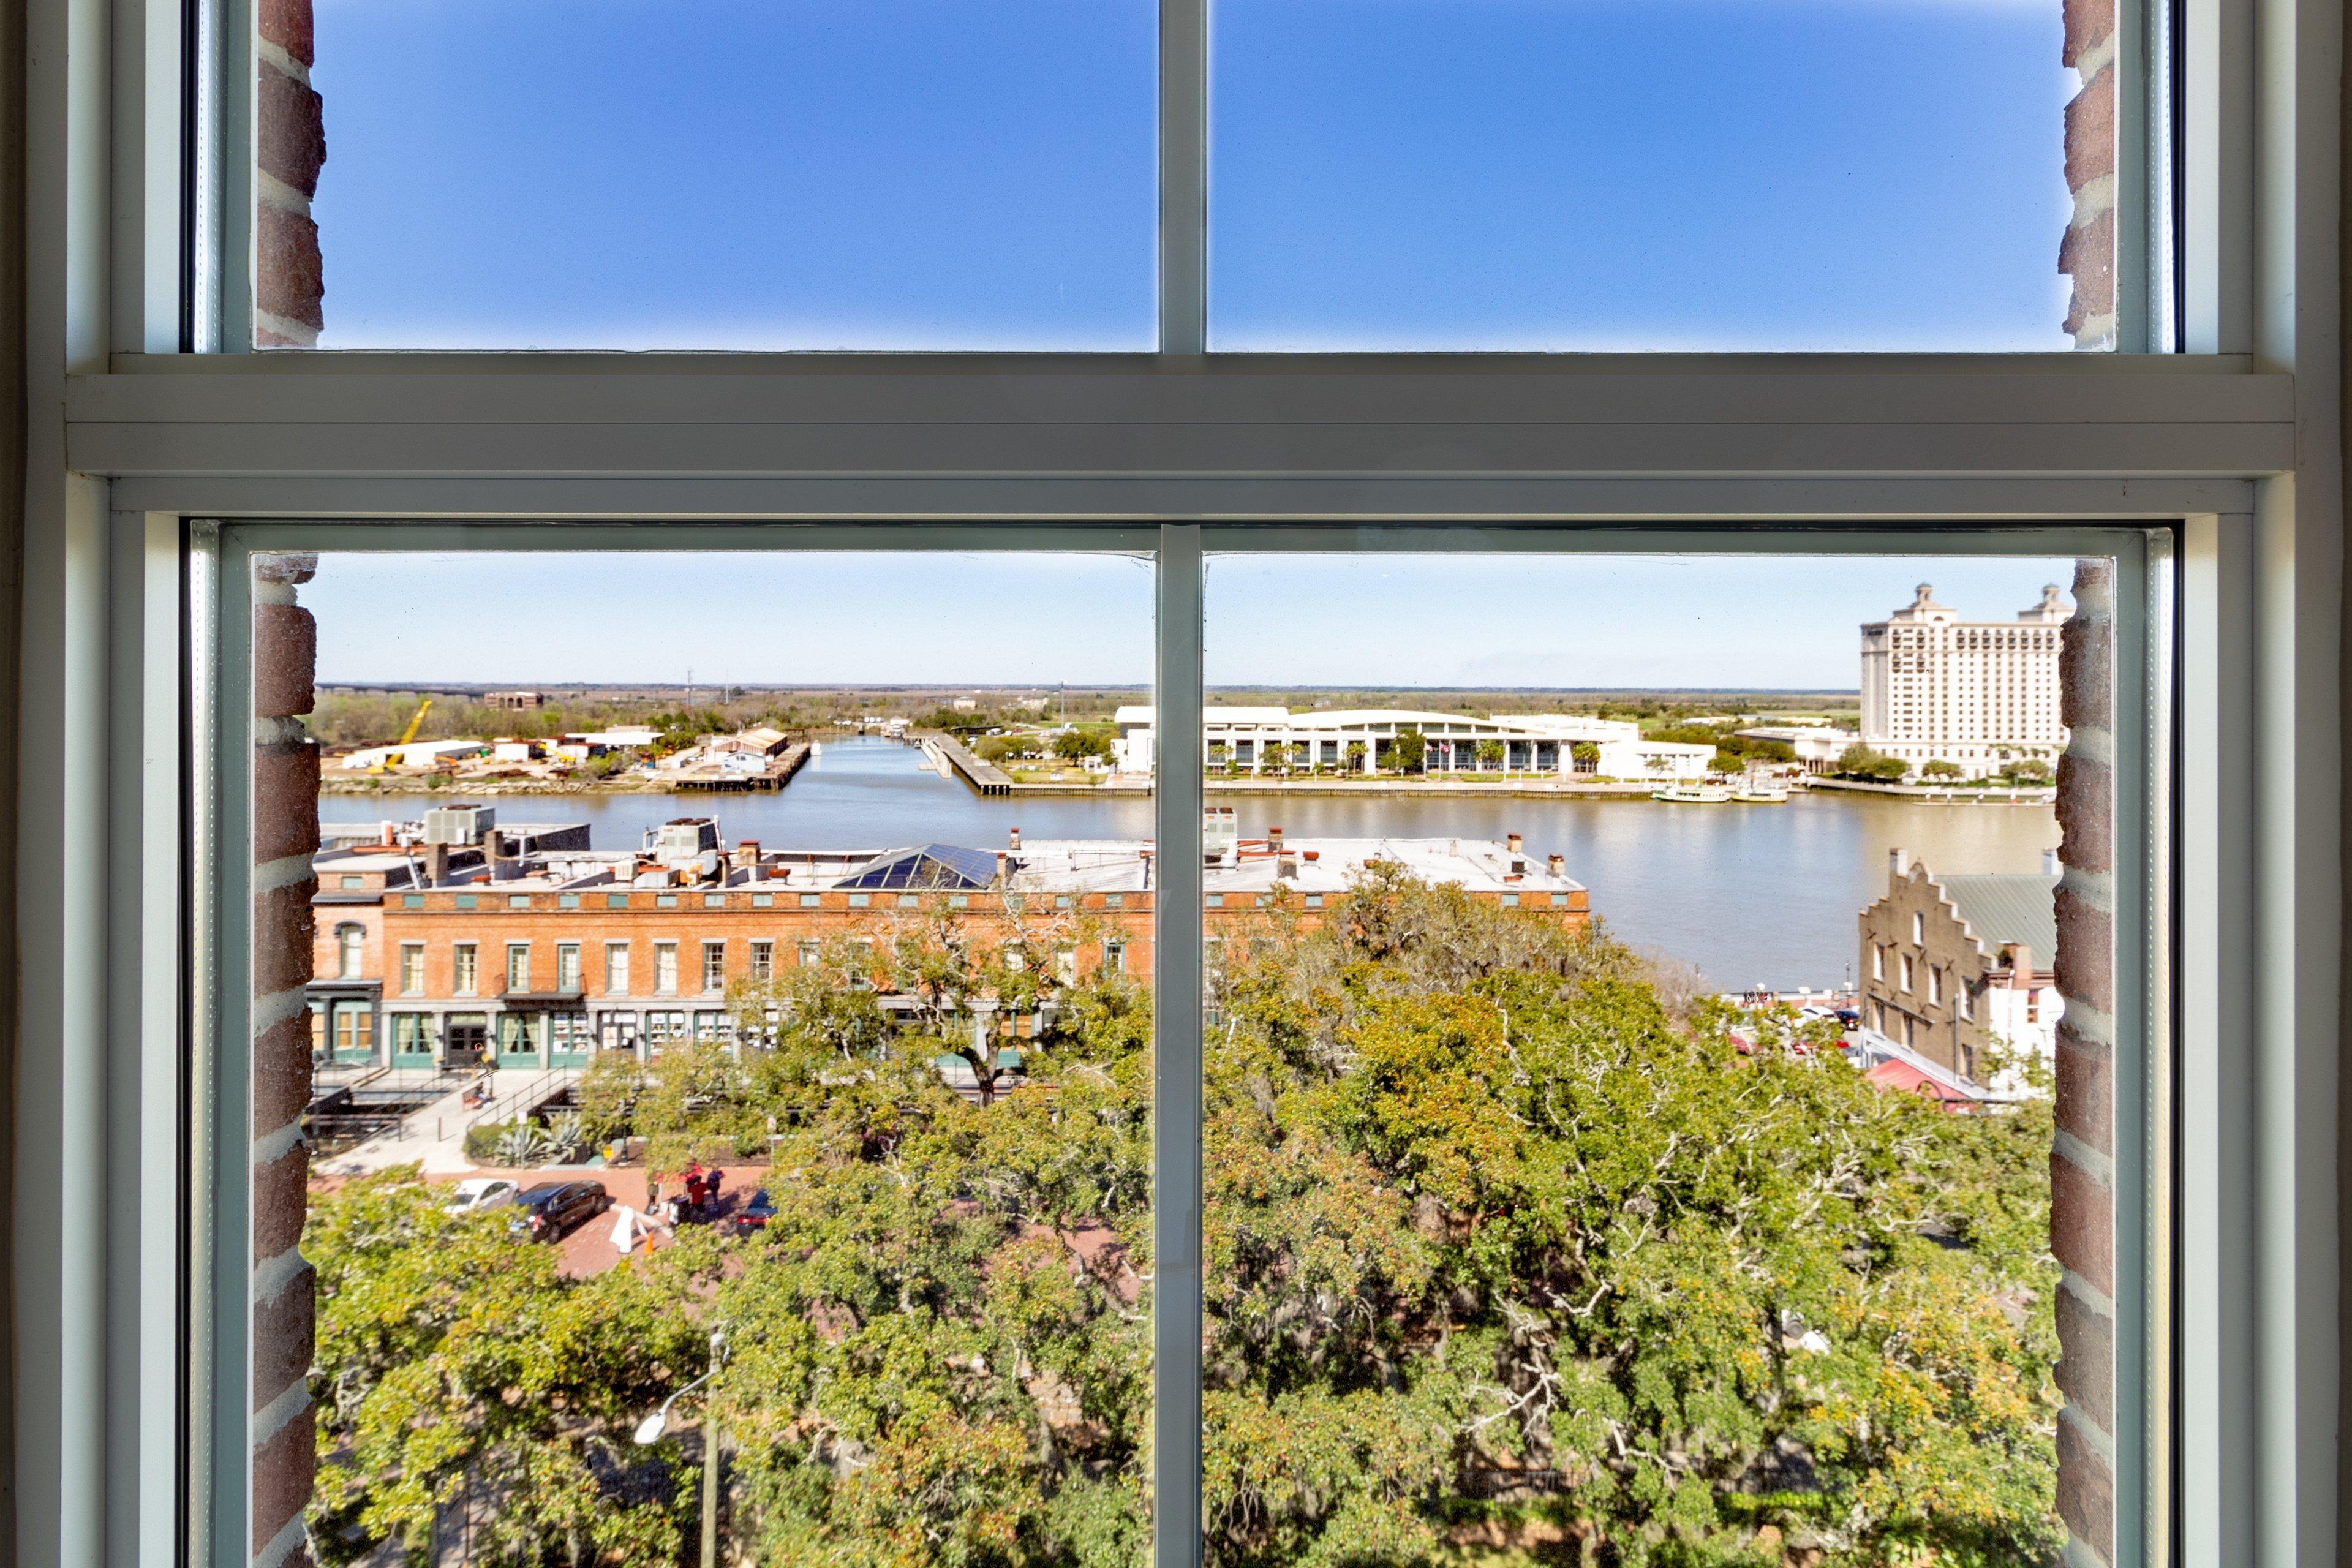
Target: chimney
<point>1274,839</point>
<point>1286,866</point>
<point>2050,863</point>
<point>1557,865</point>
<point>1016,841</point>
<point>2020,967</point>
<point>1897,862</point>
<point>1004,862</point>
<point>385,835</point>
<point>747,853</point>
<point>436,864</point>
<point>1511,842</point>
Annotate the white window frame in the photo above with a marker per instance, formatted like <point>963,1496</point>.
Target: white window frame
<point>2236,445</point>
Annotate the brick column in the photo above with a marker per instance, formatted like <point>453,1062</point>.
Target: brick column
<point>288,282</point>
<point>2087,253</point>
<point>2082,1156</point>
<point>285,834</point>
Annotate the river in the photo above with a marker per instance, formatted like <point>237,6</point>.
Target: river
<point>1749,894</point>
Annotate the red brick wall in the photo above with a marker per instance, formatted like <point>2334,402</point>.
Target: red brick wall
<point>2087,253</point>
<point>291,143</point>
<point>2082,1158</point>
<point>285,833</point>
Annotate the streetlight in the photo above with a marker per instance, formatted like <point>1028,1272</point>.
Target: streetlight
<point>650,1429</point>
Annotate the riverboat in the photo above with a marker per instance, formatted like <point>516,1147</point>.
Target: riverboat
<point>1759,792</point>
<point>1693,794</point>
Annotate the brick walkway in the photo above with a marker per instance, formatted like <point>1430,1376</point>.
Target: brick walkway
<point>588,1249</point>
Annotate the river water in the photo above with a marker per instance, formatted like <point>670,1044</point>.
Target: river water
<point>1749,894</point>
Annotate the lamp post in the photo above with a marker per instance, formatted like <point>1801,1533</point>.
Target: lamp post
<point>650,1429</point>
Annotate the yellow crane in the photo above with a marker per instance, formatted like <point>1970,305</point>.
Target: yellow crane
<point>408,734</point>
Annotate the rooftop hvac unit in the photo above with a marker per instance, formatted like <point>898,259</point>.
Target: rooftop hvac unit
<point>1217,832</point>
<point>458,824</point>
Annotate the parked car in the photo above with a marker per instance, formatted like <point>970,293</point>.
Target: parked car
<point>477,1194</point>
<point>545,1213</point>
<point>753,1216</point>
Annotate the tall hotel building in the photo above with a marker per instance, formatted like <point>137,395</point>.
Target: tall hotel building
<point>1979,694</point>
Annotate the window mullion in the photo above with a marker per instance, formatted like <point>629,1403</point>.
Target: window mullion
<point>1183,176</point>
<point>1176,1057</point>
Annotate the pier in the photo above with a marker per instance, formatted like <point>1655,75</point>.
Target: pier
<point>775,775</point>
<point>984,777</point>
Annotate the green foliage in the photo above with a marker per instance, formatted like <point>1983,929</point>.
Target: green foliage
<point>1490,754</point>
<point>455,1366</point>
<point>2031,770</point>
<point>1479,1203</point>
<point>1939,769</point>
<point>1006,748</point>
<point>1860,761</point>
<point>521,1145</point>
<point>1407,752</point>
<point>1072,745</point>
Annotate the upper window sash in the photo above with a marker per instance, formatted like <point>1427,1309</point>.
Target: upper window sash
<point>183,253</point>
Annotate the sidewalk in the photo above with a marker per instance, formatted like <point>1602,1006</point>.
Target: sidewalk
<point>434,1135</point>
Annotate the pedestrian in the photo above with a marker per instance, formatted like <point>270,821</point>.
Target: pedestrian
<point>710,1181</point>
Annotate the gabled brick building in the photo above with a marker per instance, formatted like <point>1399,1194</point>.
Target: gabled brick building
<point>1952,965</point>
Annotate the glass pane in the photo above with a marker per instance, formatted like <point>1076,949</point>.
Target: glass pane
<point>1577,1188</point>
<point>895,1188</point>
<point>608,174</point>
<point>1658,175</point>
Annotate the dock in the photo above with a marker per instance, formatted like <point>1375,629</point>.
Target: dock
<point>984,777</point>
<point>775,775</point>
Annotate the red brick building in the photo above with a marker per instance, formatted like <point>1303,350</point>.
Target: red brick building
<point>432,954</point>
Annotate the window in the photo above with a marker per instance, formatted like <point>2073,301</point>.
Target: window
<point>461,969</point>
<point>412,1033</point>
<point>1114,957</point>
<point>764,961</point>
<point>350,951</point>
<point>520,1034</point>
<point>665,968</point>
<point>567,966</point>
<point>412,968</point>
<point>1918,929</point>
<point>354,1030</point>
<point>1436,883</point>
<point>909,232</point>
<point>616,969</point>
<point>518,966</point>
<point>714,966</point>
<point>809,957</point>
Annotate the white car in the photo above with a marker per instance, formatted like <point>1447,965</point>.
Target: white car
<point>479,1194</point>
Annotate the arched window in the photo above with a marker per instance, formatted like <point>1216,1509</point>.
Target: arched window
<point>347,952</point>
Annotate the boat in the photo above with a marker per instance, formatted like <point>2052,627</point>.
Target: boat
<point>1759,792</point>
<point>1694,795</point>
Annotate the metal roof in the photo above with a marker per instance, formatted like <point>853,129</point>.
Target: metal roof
<point>2009,909</point>
<point>932,866</point>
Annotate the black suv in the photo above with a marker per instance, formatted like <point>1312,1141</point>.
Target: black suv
<point>545,1212</point>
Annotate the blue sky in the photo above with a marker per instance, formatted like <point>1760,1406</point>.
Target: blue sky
<point>1754,622</point>
<point>1385,174</point>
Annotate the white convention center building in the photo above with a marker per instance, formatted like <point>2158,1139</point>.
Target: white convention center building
<point>1255,740</point>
